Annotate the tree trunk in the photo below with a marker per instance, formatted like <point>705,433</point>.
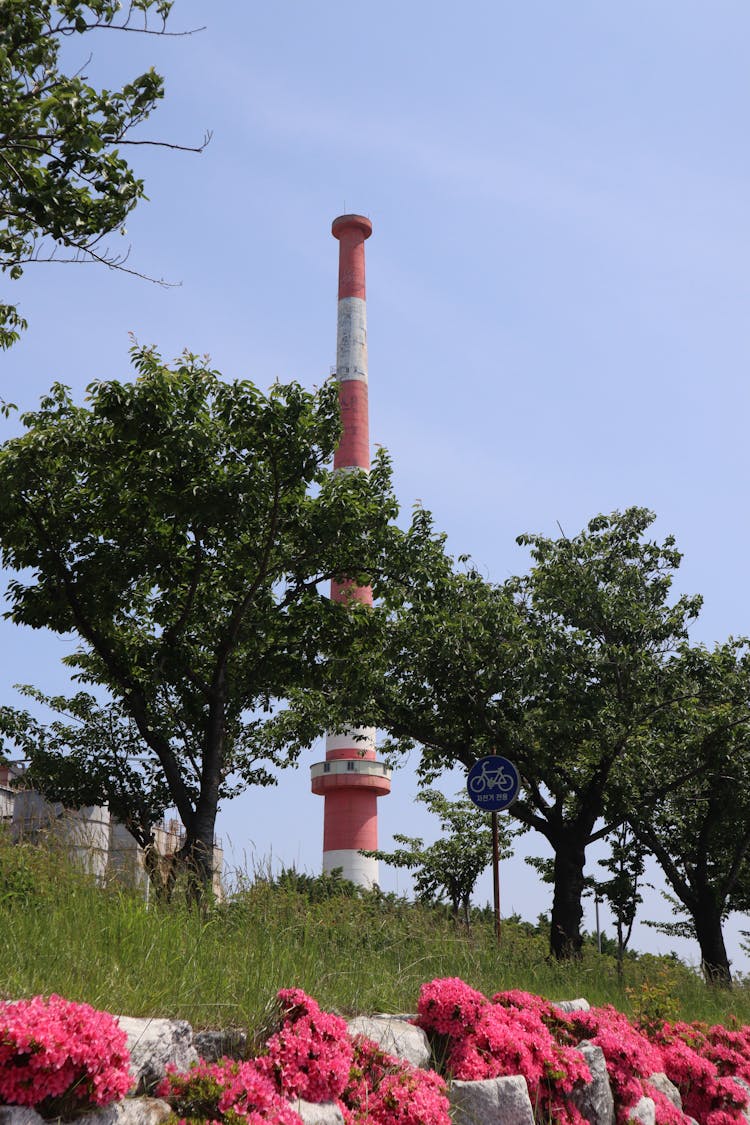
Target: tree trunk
<point>198,859</point>
<point>160,870</point>
<point>620,949</point>
<point>565,937</point>
<point>198,850</point>
<point>197,855</point>
<point>710,935</point>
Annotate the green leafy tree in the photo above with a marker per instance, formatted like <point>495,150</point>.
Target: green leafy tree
<point>689,803</point>
<point>562,670</point>
<point>626,864</point>
<point>603,629</point>
<point>452,865</point>
<point>180,528</point>
<point>64,184</point>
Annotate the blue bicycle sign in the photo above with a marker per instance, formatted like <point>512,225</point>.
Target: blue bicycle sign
<point>493,783</point>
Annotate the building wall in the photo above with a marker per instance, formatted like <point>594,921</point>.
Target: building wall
<point>6,805</point>
<point>102,846</point>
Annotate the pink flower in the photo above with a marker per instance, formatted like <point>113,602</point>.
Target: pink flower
<point>692,1055</point>
<point>448,1006</point>
<point>478,1039</point>
<point>384,1090</point>
<point>60,1056</point>
<point>311,1054</point>
<point>227,1091</point>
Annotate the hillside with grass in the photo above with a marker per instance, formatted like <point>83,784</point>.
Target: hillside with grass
<point>354,951</point>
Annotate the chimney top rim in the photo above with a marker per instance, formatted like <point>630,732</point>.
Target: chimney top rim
<point>359,222</point>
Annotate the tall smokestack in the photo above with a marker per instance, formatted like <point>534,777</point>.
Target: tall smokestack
<point>350,779</point>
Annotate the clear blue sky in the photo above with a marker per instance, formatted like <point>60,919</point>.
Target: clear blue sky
<point>557,279</point>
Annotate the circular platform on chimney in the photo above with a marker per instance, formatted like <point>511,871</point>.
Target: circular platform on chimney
<point>350,773</point>
<point>359,222</point>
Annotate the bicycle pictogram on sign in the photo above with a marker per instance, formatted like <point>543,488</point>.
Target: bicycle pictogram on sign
<point>493,783</point>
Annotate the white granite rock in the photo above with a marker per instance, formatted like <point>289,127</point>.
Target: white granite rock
<point>395,1036</point>
<point>491,1101</point>
<point>745,1087</point>
<point>153,1044</point>
<point>660,1082</point>
<point>19,1115</point>
<point>130,1111</point>
<point>579,1005</point>
<point>594,1100</point>
<point>318,1113</point>
<point>644,1111</point>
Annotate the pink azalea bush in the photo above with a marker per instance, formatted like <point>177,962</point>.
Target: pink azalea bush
<point>62,1058</point>
<point>239,1093</point>
<point>310,1055</point>
<point>384,1090</point>
<point>518,1033</point>
<point>630,1056</point>
<point>728,1048</point>
<point>706,1095</point>
<point>59,1056</point>
<point>681,1052</point>
<point>477,1039</point>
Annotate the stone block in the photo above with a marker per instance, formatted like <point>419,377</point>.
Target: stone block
<point>644,1111</point>
<point>19,1115</point>
<point>661,1083</point>
<point>579,1005</point>
<point>318,1113</point>
<point>153,1044</point>
<point>745,1087</point>
<point>131,1111</point>
<point>396,1036</point>
<point>594,1100</point>
<point>491,1101</point>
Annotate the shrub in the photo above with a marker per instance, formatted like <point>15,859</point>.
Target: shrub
<point>683,1052</point>
<point>308,1053</point>
<point>311,1054</point>
<point>630,1056</point>
<point>706,1095</point>
<point>60,1057</point>
<point>478,1039</point>
<point>383,1090</point>
<point>238,1093</point>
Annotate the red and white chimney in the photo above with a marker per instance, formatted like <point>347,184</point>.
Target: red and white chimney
<point>350,779</point>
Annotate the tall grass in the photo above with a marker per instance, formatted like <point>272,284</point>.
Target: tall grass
<point>62,933</point>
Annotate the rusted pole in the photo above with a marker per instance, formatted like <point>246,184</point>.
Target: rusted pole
<point>496,874</point>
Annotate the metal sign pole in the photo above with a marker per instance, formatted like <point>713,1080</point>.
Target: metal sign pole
<point>496,875</point>
<point>493,784</point>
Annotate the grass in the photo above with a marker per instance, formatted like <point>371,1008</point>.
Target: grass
<point>62,933</point>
